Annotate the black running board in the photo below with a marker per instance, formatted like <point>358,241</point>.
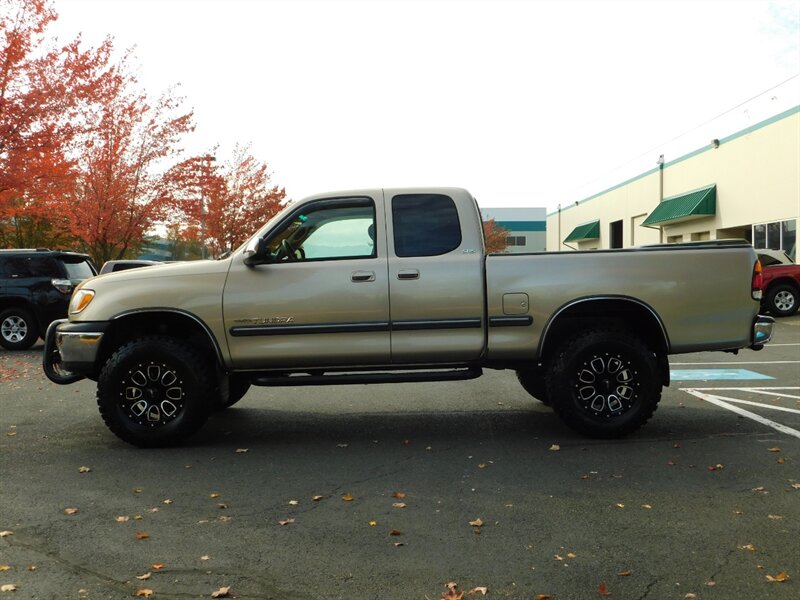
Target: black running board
<point>360,378</point>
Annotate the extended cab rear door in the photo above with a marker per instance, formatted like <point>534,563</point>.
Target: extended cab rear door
<point>436,283</point>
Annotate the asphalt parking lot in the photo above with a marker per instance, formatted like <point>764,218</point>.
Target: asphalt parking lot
<point>392,492</point>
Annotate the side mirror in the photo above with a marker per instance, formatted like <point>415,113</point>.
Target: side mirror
<point>255,252</point>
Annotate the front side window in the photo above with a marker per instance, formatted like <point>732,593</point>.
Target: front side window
<point>329,231</point>
<point>78,270</point>
<point>425,225</point>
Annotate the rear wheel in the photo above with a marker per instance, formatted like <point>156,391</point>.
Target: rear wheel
<point>782,300</point>
<point>18,329</point>
<point>604,383</point>
<point>155,391</point>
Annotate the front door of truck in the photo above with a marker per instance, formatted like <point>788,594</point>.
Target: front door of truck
<point>321,299</point>
<point>435,277</point>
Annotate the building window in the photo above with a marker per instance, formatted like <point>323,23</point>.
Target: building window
<point>516,240</point>
<point>675,239</point>
<point>778,235</point>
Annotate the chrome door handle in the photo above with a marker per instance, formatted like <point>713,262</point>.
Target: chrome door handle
<point>361,276</point>
<point>408,274</point>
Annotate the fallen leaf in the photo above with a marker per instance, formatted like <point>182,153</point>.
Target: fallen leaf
<point>711,583</point>
<point>373,523</point>
<point>141,535</point>
<point>602,589</point>
<point>4,568</point>
<point>242,450</point>
<point>222,506</point>
<point>84,470</point>
<point>775,517</point>
<point>619,505</point>
<point>6,533</point>
<point>482,466</point>
<point>399,505</point>
<point>395,532</point>
<point>748,547</point>
<point>9,587</point>
<point>293,502</point>
<point>781,460</point>
<point>543,597</point>
<point>398,544</point>
<point>138,517</point>
<point>646,506</point>
<point>776,449</point>
<point>144,577</point>
<point>717,467</point>
<point>476,523</point>
<point>167,501</point>
<point>205,557</point>
<point>71,511</point>
<point>122,519</point>
<point>399,495</point>
<point>222,592</point>
<point>32,568</point>
<point>348,498</point>
<point>690,596</point>
<point>760,488</point>
<point>317,498</point>
<point>224,519</point>
<point>779,578</point>
<point>796,486</point>
<point>144,593</point>
<point>478,590</point>
<point>341,445</point>
<point>288,521</point>
<point>555,448</point>
<point>153,510</point>
<point>157,566</point>
<point>138,490</point>
<point>625,573</point>
<point>558,557</point>
<point>571,555</point>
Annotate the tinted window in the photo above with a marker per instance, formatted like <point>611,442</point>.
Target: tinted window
<point>31,266</point>
<point>79,270</point>
<point>425,225</point>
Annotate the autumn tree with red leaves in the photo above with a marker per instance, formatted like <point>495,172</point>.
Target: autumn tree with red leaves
<point>43,89</point>
<point>495,238</point>
<point>221,205</point>
<point>120,192</point>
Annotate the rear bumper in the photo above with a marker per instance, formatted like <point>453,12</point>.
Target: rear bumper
<point>763,328</point>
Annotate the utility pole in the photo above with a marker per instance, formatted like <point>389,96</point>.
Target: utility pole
<point>207,160</point>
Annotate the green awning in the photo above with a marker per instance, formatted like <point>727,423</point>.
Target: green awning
<point>685,207</point>
<point>587,231</point>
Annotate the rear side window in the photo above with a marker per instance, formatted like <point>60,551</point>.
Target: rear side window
<point>425,225</point>
<point>18,267</point>
<point>78,270</point>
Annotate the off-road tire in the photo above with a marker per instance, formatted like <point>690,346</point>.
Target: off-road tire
<point>18,329</point>
<point>604,383</point>
<point>533,381</point>
<point>155,391</point>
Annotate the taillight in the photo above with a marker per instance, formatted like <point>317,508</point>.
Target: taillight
<point>758,281</point>
<point>62,285</point>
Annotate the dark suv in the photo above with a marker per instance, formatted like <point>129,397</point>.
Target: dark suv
<point>35,288</point>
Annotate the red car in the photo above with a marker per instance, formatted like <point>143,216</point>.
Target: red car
<point>780,283</point>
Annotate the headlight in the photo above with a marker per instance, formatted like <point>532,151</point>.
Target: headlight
<point>80,300</point>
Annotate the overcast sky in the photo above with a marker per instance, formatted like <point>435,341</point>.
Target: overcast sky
<point>524,103</point>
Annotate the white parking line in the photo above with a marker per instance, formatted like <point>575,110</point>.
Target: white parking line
<point>721,402</point>
<point>763,362</point>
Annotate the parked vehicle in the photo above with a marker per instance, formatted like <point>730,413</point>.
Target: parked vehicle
<point>35,287</point>
<point>780,283</point>
<point>112,266</point>
<point>381,286</point>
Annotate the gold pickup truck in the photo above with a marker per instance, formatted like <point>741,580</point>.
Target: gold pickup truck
<point>393,285</point>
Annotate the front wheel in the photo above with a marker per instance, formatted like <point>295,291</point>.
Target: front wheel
<point>155,391</point>
<point>18,329</point>
<point>782,300</point>
<point>604,383</point>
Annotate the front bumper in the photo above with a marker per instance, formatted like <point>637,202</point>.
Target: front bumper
<point>71,349</point>
<point>763,328</point>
